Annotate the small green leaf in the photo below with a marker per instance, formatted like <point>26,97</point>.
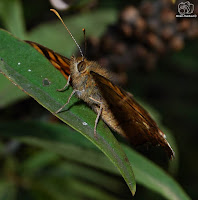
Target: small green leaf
<point>29,76</point>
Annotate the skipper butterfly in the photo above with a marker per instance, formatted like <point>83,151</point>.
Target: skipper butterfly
<point>117,108</point>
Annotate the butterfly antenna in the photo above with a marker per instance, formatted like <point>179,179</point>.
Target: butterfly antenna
<point>85,40</point>
<point>56,13</point>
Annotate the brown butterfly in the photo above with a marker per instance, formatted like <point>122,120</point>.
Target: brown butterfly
<point>116,107</point>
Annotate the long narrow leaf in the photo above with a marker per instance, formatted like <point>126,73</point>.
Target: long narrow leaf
<point>27,68</point>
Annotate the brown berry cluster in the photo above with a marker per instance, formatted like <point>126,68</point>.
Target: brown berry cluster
<point>141,36</point>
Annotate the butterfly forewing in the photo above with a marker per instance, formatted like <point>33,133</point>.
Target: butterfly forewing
<point>129,118</point>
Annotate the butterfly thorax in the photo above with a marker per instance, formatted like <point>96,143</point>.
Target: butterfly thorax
<point>82,80</point>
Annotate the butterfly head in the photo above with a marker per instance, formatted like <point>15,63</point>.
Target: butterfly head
<point>79,66</point>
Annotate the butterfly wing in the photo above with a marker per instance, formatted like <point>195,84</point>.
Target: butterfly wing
<point>129,118</point>
<point>60,62</point>
<point>123,113</point>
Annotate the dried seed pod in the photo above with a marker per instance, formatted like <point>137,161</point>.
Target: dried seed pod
<point>131,21</point>
<point>167,32</point>
<point>192,32</point>
<point>120,48</point>
<point>177,43</point>
<point>107,43</point>
<point>140,26</point>
<point>167,16</point>
<point>127,29</point>
<point>129,15</point>
<point>155,42</point>
<point>147,9</point>
<point>184,25</point>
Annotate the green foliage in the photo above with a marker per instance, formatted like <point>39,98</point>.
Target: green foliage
<point>12,17</point>
<point>9,93</point>
<point>60,140</point>
<point>59,163</point>
<point>29,77</point>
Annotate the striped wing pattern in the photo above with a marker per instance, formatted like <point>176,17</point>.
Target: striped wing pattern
<point>60,62</point>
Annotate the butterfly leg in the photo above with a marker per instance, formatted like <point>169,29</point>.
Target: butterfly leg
<point>73,92</point>
<point>67,84</point>
<point>98,115</point>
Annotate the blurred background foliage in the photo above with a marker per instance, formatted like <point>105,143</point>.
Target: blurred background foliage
<point>162,72</point>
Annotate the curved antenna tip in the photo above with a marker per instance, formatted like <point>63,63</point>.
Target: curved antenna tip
<point>57,14</point>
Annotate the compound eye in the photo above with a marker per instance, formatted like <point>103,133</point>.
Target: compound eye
<point>81,66</point>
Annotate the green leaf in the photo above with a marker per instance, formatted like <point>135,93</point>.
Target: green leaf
<point>58,139</point>
<point>65,142</point>
<point>90,174</point>
<point>37,161</point>
<point>27,68</point>
<point>7,190</point>
<point>90,191</point>
<point>11,14</point>
<point>71,188</point>
<point>151,176</point>
<point>9,93</point>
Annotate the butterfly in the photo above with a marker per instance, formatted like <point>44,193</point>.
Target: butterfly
<point>117,108</point>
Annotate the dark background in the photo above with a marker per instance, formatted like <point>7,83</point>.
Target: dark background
<point>169,85</point>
